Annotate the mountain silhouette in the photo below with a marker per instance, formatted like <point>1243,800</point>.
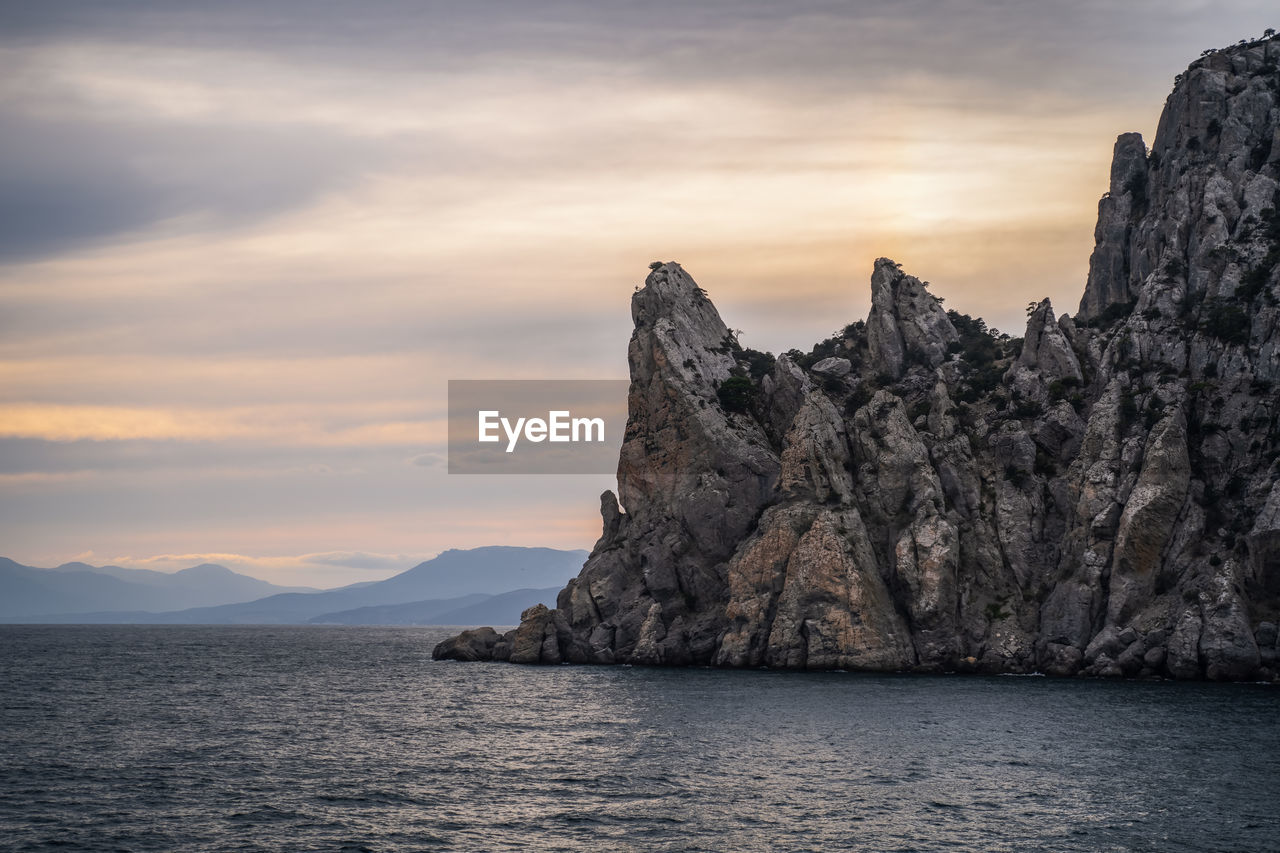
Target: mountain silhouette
<point>78,593</point>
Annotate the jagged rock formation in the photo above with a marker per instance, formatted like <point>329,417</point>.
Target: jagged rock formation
<point>1101,496</point>
<point>906,323</point>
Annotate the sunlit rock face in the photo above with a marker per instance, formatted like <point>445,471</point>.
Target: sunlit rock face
<point>1098,497</point>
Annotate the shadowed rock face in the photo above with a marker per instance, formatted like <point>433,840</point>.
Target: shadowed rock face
<point>1099,497</point>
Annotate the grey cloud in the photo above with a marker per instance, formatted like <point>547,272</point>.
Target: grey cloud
<point>76,182</point>
<point>404,502</point>
<point>361,560</point>
<point>428,460</point>
<point>56,191</point>
<point>69,183</point>
<point>273,320</point>
<point>828,42</point>
<point>31,455</point>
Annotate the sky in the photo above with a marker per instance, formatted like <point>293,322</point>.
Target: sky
<point>245,245</point>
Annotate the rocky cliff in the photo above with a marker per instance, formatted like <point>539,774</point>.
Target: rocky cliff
<point>1101,496</point>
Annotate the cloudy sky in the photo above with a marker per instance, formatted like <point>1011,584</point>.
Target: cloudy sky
<point>244,245</point>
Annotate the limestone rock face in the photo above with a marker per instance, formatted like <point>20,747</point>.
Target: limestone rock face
<point>907,323</point>
<point>1100,497</point>
<point>1118,211</point>
<point>693,479</point>
<point>833,366</point>
<point>471,645</point>
<point>1047,356</point>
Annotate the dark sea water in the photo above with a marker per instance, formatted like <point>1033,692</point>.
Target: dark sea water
<point>322,738</point>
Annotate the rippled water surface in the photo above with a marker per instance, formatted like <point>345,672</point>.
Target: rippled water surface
<point>318,738</point>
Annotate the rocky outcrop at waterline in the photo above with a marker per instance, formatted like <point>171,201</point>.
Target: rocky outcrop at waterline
<point>1101,496</point>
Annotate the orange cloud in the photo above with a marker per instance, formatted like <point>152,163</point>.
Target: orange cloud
<point>309,425</point>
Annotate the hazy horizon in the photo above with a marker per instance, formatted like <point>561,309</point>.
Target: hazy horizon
<point>373,575</point>
<point>246,245</point>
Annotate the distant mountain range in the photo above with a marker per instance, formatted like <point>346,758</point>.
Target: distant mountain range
<point>459,587</point>
<point>77,587</point>
<point>475,609</point>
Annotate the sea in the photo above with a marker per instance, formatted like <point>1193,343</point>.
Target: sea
<point>181,738</point>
